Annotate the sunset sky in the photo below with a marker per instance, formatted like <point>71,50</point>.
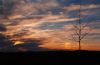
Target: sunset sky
<point>51,22</point>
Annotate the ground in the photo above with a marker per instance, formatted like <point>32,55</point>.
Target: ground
<point>52,57</point>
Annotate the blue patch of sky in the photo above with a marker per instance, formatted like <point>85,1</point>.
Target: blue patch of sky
<point>32,0</point>
<point>86,18</point>
<point>95,15</point>
<point>73,14</point>
<point>57,10</point>
<point>90,18</point>
<point>68,2</point>
<point>53,25</point>
<point>1,3</point>
<point>64,3</point>
<point>90,1</point>
<point>72,1</point>
<point>86,2</point>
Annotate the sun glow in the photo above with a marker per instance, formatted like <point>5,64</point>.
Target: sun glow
<point>18,42</point>
<point>67,45</point>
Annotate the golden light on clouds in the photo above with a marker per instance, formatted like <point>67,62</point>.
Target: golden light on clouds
<point>52,46</point>
<point>18,43</point>
<point>51,22</point>
<point>26,30</point>
<point>59,46</point>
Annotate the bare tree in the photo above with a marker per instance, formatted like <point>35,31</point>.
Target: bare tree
<point>80,29</point>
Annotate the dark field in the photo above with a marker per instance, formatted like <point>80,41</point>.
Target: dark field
<point>52,57</point>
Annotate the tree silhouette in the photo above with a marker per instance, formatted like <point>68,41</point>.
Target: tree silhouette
<point>80,29</point>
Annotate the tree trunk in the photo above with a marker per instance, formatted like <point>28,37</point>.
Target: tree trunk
<point>79,45</point>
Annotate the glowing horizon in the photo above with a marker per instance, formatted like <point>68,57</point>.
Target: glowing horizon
<point>51,24</point>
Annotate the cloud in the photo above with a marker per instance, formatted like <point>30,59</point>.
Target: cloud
<point>95,31</point>
<point>74,7</point>
<point>29,7</point>
<point>58,40</point>
<point>55,30</point>
<point>26,30</point>
<point>53,38</point>
<point>87,12</point>
<point>58,18</point>
<point>2,27</point>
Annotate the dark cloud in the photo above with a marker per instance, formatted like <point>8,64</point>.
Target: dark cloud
<point>6,7</point>
<point>28,7</point>
<point>2,27</point>
<point>5,43</point>
<point>30,45</point>
<point>14,23</point>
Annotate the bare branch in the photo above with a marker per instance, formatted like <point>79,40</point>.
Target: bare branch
<point>84,35</point>
<point>74,38</point>
<point>76,30</point>
<point>87,24</point>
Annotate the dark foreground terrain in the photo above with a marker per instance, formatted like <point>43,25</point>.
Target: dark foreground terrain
<point>52,57</point>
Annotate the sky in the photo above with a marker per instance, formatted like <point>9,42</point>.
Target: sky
<point>38,25</point>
